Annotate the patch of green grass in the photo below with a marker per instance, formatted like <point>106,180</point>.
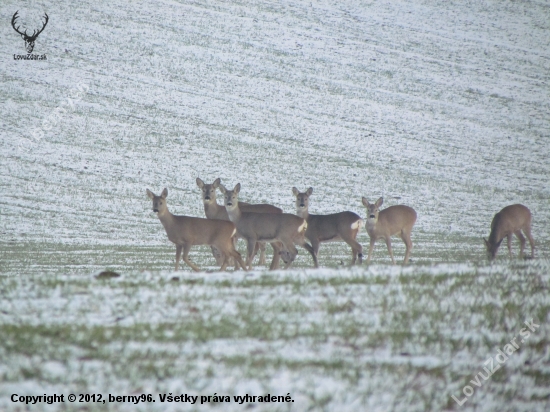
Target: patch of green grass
<point>341,324</point>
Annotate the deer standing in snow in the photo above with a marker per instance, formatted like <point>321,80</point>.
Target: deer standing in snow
<point>186,231</point>
<point>511,220</point>
<point>213,210</point>
<point>394,220</point>
<point>326,228</point>
<point>285,228</point>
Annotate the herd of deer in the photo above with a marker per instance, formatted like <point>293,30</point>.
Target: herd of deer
<point>261,223</point>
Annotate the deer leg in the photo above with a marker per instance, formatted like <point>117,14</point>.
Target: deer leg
<point>527,232</point>
<point>238,259</point>
<point>217,255</point>
<point>356,251</point>
<point>256,248</point>
<point>262,253</point>
<point>225,262</point>
<point>250,247</point>
<point>356,248</point>
<point>312,252</point>
<point>225,250</point>
<point>390,251</point>
<point>233,261</point>
<point>509,240</point>
<point>178,256</point>
<point>521,242</point>
<point>313,249</point>
<point>277,247</point>
<point>233,256</point>
<point>186,249</point>
<point>371,248</point>
<point>408,245</point>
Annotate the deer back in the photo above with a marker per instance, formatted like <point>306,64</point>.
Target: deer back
<point>509,220</point>
<point>270,226</point>
<point>259,208</point>
<point>393,219</point>
<point>332,226</point>
<point>198,231</point>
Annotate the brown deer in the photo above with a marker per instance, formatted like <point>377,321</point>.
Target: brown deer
<point>186,231</point>
<point>511,220</point>
<point>213,210</point>
<point>394,220</point>
<point>285,228</point>
<point>326,228</point>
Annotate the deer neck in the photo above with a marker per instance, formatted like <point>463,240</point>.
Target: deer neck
<point>234,213</point>
<point>303,213</point>
<point>166,218</point>
<point>212,210</point>
<point>496,234</point>
<point>371,225</point>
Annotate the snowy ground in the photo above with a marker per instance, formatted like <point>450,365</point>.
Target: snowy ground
<point>443,106</point>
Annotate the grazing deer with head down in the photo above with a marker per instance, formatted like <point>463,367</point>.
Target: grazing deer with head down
<point>285,228</point>
<point>186,231</point>
<point>213,210</point>
<point>511,220</point>
<point>326,228</point>
<point>394,220</point>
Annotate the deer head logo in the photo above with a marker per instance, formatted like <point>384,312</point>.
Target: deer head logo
<point>29,40</point>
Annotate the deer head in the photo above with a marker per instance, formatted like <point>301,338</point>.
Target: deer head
<point>29,40</point>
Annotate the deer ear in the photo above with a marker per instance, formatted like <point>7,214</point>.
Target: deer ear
<point>217,182</point>
<point>164,193</point>
<point>295,191</point>
<point>222,188</point>
<point>379,202</point>
<point>365,201</point>
<point>200,183</point>
<point>150,194</point>
<point>237,188</point>
<point>309,191</point>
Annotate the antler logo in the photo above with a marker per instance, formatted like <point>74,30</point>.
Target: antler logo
<point>29,40</point>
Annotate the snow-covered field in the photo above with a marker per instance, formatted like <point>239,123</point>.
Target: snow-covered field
<point>443,106</point>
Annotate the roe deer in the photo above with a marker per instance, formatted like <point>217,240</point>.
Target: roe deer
<point>285,228</point>
<point>393,220</point>
<point>213,210</point>
<point>511,220</point>
<point>186,231</point>
<point>325,228</point>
